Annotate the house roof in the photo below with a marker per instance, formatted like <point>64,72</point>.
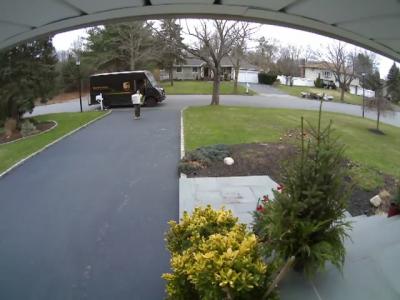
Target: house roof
<point>321,65</point>
<point>191,62</point>
<point>225,62</point>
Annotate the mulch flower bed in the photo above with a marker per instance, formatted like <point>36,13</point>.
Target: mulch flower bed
<point>269,159</point>
<point>43,126</point>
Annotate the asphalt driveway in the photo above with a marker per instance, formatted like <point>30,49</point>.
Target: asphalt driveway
<point>85,219</point>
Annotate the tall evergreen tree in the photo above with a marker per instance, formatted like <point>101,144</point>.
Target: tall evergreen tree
<point>69,74</point>
<point>365,63</point>
<point>27,73</point>
<point>170,36</point>
<point>117,47</point>
<point>393,83</point>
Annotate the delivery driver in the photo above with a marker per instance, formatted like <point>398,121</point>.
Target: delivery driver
<point>137,101</point>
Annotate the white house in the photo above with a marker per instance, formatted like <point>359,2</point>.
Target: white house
<point>314,69</point>
<point>310,72</point>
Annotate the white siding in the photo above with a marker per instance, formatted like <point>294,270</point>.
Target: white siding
<point>312,74</point>
<point>359,90</point>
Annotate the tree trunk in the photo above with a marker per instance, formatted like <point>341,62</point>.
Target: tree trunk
<point>342,89</point>
<point>171,76</point>
<point>131,56</point>
<point>235,83</point>
<point>132,62</point>
<point>378,113</point>
<point>216,86</point>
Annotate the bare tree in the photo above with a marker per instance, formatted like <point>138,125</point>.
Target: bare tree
<point>288,63</point>
<point>308,53</point>
<point>214,40</point>
<point>237,54</point>
<point>340,61</point>
<point>379,103</point>
<point>265,54</point>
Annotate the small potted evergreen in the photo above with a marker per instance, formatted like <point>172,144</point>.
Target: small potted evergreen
<point>394,208</point>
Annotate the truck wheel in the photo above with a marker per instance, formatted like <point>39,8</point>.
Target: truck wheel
<point>151,102</point>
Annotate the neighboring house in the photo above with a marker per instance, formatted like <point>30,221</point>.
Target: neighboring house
<point>196,69</point>
<point>192,69</point>
<point>311,71</point>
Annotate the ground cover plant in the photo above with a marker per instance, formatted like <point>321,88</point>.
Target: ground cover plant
<point>202,88</point>
<point>203,157</point>
<point>14,152</point>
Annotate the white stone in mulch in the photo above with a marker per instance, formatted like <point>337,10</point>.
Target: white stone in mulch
<point>376,201</point>
<point>239,194</point>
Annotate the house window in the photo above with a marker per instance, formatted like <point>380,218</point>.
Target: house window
<point>194,69</point>
<point>179,70</point>
<point>327,74</point>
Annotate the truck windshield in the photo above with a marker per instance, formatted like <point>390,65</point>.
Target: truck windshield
<point>152,80</point>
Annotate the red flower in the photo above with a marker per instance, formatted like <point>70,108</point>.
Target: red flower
<point>265,198</point>
<point>280,188</point>
<point>260,208</point>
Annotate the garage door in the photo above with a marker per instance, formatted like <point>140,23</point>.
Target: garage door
<point>248,76</point>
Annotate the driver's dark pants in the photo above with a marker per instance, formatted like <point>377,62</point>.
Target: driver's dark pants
<point>137,110</point>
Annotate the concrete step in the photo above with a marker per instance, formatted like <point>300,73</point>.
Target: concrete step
<point>369,236</point>
<point>371,270</point>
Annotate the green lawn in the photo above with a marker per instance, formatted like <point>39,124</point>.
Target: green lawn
<point>201,88</point>
<point>235,125</point>
<point>296,90</point>
<point>14,152</point>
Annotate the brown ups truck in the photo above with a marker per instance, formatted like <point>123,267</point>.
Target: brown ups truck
<point>116,88</point>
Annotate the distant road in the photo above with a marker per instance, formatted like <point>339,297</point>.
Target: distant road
<point>267,97</point>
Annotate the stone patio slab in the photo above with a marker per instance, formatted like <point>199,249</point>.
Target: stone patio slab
<point>239,194</point>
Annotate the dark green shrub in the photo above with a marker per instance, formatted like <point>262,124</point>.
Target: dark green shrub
<point>266,78</point>
<point>319,83</point>
<point>306,219</point>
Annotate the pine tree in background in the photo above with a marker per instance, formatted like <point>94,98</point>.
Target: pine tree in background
<point>170,35</point>
<point>120,47</point>
<point>69,74</point>
<point>307,218</point>
<point>393,83</point>
<point>27,74</point>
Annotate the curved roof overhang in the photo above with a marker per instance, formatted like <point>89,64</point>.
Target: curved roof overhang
<point>371,24</point>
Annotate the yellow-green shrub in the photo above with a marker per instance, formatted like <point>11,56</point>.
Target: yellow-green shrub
<point>220,259</point>
<point>203,223</point>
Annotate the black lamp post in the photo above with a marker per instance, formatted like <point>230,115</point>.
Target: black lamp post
<point>78,64</point>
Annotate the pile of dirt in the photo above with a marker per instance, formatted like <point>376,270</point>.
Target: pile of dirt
<point>40,127</point>
<point>270,159</point>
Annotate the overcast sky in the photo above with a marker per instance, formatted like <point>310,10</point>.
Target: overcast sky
<point>286,36</point>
